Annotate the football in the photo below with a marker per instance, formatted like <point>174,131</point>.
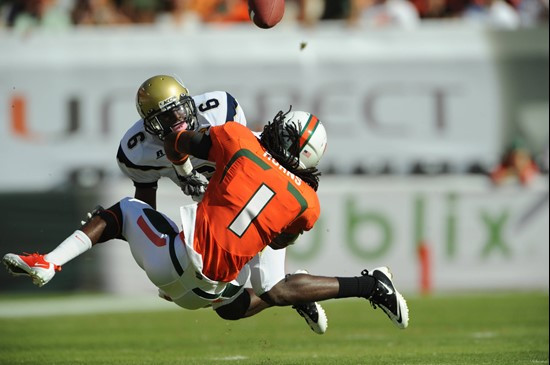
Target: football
<point>266,13</point>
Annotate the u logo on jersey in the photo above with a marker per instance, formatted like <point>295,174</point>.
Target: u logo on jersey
<point>160,154</point>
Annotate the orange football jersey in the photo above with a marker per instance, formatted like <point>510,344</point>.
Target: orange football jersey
<point>250,200</point>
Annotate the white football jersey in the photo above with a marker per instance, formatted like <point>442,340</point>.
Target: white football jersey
<point>141,155</point>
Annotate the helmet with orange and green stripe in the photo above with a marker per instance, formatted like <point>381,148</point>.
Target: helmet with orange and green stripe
<point>296,139</point>
<point>312,138</point>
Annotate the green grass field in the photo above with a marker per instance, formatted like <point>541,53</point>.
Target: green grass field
<point>475,329</point>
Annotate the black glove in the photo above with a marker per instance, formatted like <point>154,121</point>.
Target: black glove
<point>193,185</point>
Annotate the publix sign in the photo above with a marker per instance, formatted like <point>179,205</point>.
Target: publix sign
<point>448,233</point>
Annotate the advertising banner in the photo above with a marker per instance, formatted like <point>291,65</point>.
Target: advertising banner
<point>436,234</point>
<point>387,98</point>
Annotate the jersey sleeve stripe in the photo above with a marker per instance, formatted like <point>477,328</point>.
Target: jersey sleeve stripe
<point>299,197</point>
<point>231,108</point>
<point>248,154</point>
<point>123,159</point>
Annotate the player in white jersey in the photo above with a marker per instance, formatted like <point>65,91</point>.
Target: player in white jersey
<point>165,105</point>
<point>141,154</point>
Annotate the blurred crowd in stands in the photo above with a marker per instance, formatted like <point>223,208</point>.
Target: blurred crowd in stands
<point>21,15</point>
<point>518,165</point>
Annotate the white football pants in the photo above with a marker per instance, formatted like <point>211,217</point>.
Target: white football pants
<point>166,255</point>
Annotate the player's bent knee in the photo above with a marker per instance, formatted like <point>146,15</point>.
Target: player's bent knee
<point>236,309</point>
<point>113,218</point>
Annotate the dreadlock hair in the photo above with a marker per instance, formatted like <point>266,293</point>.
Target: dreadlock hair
<point>282,141</point>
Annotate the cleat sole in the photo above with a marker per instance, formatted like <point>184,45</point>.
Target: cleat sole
<point>14,268</point>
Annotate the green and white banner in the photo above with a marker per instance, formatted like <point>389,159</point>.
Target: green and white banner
<point>476,236</point>
<point>435,233</point>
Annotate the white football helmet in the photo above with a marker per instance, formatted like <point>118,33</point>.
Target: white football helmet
<point>313,137</point>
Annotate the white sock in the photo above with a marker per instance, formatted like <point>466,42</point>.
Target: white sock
<point>73,246</point>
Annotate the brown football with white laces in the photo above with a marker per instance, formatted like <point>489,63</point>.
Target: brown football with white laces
<point>266,13</point>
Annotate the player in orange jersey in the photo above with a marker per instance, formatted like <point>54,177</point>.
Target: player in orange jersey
<point>165,105</point>
<point>262,194</point>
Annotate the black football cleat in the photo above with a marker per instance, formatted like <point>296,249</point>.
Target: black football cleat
<point>387,297</point>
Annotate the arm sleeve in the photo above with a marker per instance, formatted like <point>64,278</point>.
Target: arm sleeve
<point>142,176</point>
<point>217,134</point>
<point>238,113</point>
<point>199,145</point>
<point>226,140</point>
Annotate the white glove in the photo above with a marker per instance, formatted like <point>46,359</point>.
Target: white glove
<point>193,185</point>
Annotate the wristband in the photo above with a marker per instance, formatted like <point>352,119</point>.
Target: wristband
<point>184,169</point>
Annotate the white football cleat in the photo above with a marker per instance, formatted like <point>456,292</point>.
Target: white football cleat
<point>35,266</point>
<point>313,313</point>
<point>387,297</point>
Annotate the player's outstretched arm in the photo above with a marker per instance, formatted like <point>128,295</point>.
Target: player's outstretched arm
<point>179,145</point>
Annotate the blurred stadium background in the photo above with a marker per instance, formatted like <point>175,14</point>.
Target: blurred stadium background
<point>421,107</point>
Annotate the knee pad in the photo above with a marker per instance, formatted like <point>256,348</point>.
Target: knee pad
<point>236,309</point>
<point>113,217</point>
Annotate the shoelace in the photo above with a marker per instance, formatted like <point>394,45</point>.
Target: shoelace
<point>371,299</point>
